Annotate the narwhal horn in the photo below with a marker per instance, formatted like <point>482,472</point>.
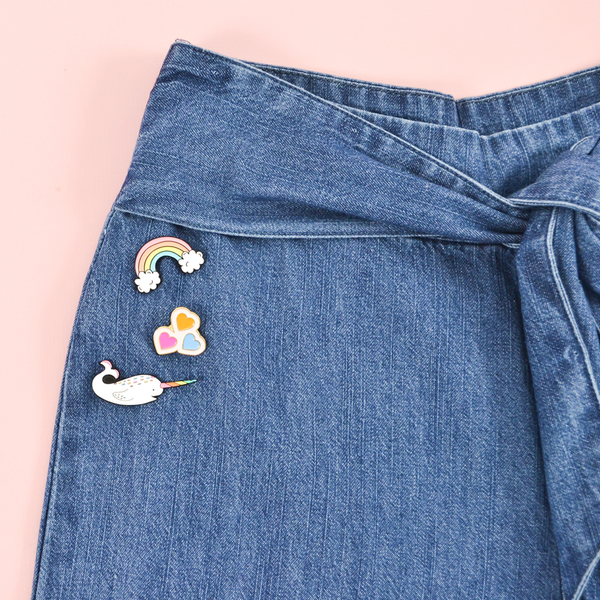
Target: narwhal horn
<point>169,384</point>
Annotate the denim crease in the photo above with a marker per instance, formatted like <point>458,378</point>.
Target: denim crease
<point>399,395</point>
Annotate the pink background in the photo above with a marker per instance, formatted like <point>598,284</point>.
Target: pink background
<point>75,79</point>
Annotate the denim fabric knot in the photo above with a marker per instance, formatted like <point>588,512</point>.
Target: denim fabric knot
<point>572,181</point>
<point>559,275</point>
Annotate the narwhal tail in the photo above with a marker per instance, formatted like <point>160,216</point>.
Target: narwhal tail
<point>170,384</point>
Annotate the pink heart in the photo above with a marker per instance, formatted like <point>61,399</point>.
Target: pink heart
<point>166,341</point>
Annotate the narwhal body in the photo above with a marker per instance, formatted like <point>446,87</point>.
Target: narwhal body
<point>133,391</point>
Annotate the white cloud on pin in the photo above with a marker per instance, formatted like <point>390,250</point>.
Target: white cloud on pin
<point>191,261</point>
<point>148,280</point>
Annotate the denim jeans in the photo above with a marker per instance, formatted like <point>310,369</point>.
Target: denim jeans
<point>399,392</point>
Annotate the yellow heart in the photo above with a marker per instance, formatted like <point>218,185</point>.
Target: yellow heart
<point>184,322</point>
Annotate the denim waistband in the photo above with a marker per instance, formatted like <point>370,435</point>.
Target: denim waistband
<point>249,149</point>
<point>488,114</point>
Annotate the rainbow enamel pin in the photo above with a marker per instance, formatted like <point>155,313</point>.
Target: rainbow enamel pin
<point>181,336</point>
<point>133,391</point>
<point>147,258</point>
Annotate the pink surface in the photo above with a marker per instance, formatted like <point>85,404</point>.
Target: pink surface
<point>75,80</point>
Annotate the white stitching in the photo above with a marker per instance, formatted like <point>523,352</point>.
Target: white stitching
<point>565,300</point>
<point>586,577</point>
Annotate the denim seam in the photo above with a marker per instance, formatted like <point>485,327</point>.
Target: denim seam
<point>257,66</point>
<point>580,142</point>
<point>392,89</point>
<point>595,106</point>
<point>581,112</point>
<point>586,577</point>
<point>55,451</point>
<point>566,303</point>
<point>307,236</point>
<point>527,88</point>
<point>554,203</point>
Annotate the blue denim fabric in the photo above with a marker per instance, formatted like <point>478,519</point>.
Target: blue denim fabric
<point>399,398</point>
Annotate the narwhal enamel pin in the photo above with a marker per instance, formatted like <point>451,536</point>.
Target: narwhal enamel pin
<point>140,389</point>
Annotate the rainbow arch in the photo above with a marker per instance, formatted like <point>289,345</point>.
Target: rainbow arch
<point>156,249</point>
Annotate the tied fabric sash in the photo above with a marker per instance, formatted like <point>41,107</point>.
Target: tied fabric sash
<point>559,277</point>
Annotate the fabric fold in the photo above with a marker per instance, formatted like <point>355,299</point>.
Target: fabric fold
<point>561,331</point>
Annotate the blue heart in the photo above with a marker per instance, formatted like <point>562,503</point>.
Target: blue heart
<point>189,343</point>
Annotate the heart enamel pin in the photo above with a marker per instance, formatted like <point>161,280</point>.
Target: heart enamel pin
<point>181,336</point>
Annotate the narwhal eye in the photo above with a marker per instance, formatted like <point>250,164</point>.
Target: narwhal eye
<point>109,379</point>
